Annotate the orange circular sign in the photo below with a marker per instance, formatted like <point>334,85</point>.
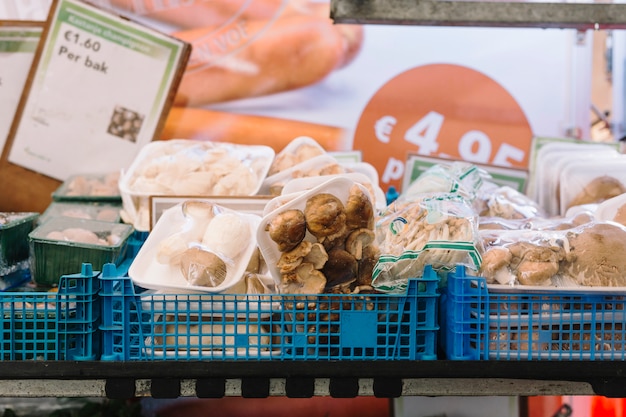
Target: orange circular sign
<point>442,110</point>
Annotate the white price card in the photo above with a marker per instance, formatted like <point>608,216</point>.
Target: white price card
<point>512,177</point>
<point>100,88</point>
<point>18,43</point>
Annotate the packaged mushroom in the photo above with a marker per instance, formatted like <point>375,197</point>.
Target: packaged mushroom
<point>440,230</point>
<point>191,168</point>
<point>506,203</point>
<point>321,241</point>
<point>200,246</point>
<point>319,165</point>
<point>460,178</point>
<point>302,184</point>
<point>89,188</point>
<point>297,151</point>
<point>591,182</point>
<point>537,223</point>
<point>589,255</point>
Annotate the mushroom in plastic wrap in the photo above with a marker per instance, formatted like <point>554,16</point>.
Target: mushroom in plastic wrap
<point>597,255</point>
<point>339,240</point>
<point>440,230</point>
<point>287,229</point>
<point>598,190</point>
<point>588,255</point>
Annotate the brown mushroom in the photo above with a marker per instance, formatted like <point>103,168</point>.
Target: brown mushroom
<point>325,215</point>
<point>341,268</point>
<point>597,255</point>
<point>598,190</point>
<point>534,264</point>
<point>316,256</point>
<point>494,259</point>
<point>357,240</point>
<point>359,209</point>
<point>366,265</point>
<point>287,229</point>
<point>310,252</point>
<point>202,268</point>
<point>305,279</point>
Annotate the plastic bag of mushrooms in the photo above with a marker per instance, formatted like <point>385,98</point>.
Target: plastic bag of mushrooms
<point>322,240</point>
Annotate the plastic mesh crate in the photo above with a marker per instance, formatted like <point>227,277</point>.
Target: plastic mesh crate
<point>480,323</point>
<point>150,326</point>
<point>61,325</point>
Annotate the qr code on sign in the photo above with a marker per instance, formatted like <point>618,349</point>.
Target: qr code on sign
<point>125,123</point>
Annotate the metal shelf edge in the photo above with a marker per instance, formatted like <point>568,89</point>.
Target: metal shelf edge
<point>545,15</point>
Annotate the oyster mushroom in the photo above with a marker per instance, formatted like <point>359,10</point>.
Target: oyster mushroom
<point>287,229</point>
<point>325,216</point>
<point>305,279</point>
<point>202,268</point>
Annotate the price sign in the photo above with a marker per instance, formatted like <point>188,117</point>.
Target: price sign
<point>99,90</point>
<point>18,43</point>
<point>444,111</point>
<point>515,178</point>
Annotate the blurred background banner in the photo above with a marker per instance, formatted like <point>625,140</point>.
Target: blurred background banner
<point>267,71</point>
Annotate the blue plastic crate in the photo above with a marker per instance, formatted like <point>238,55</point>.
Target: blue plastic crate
<point>61,325</point>
<point>479,322</point>
<point>148,326</point>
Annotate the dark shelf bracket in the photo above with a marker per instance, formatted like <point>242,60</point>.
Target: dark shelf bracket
<point>165,388</point>
<point>119,388</point>
<point>387,387</point>
<point>344,387</point>
<point>255,387</point>
<point>210,387</point>
<point>610,387</point>
<point>297,387</point>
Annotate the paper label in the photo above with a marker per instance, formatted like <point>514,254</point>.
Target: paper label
<point>97,94</point>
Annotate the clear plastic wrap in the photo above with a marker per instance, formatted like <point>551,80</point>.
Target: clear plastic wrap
<point>318,165</point>
<point>191,168</point>
<point>591,182</point>
<point>440,230</point>
<point>201,246</point>
<point>577,218</point>
<point>460,178</point>
<point>506,203</point>
<point>297,151</point>
<point>589,255</point>
<point>322,240</point>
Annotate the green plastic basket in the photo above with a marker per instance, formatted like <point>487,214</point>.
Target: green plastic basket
<point>51,258</point>
<point>14,230</point>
